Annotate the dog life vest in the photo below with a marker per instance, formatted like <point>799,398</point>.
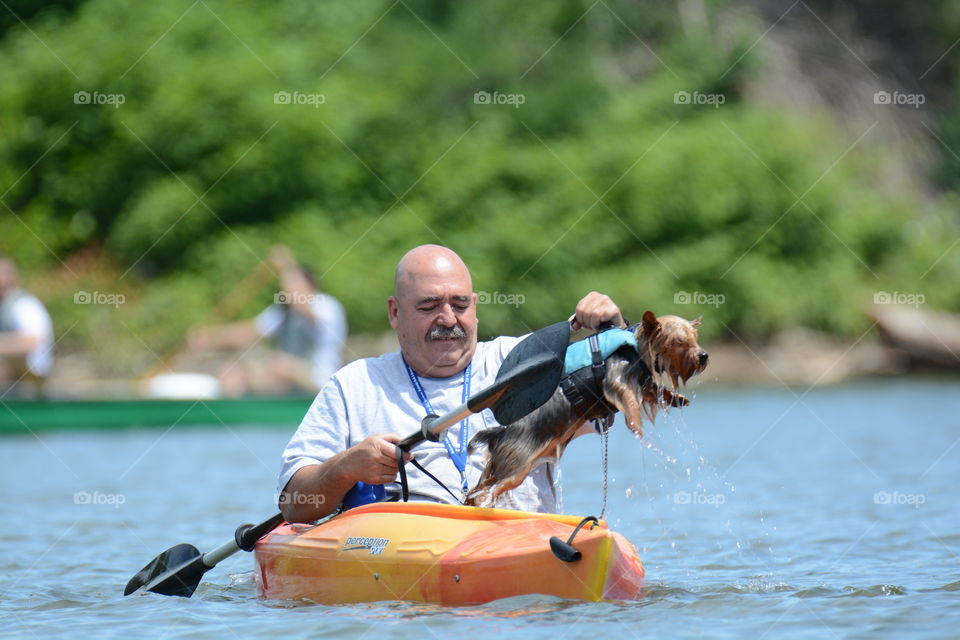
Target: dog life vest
<point>585,366</point>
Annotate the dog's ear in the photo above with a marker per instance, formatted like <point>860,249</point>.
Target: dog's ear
<point>696,321</point>
<point>650,323</point>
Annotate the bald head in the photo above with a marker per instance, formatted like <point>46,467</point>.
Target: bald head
<point>434,311</point>
<point>427,262</point>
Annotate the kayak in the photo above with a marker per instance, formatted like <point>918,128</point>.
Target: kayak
<point>34,416</point>
<point>444,554</point>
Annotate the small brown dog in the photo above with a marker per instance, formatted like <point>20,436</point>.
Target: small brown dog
<point>623,382</point>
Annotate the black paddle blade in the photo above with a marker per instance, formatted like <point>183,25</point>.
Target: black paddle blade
<point>536,365</point>
<point>175,572</point>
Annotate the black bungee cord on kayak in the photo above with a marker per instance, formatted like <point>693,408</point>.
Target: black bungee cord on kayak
<point>565,550</point>
<point>405,490</point>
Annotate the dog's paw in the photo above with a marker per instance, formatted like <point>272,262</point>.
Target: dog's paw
<point>476,498</point>
<point>636,428</point>
<point>664,397</point>
<point>674,399</point>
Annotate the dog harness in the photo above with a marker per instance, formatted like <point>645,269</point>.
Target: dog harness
<point>585,367</point>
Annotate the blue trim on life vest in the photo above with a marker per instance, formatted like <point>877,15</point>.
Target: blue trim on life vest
<point>579,356</point>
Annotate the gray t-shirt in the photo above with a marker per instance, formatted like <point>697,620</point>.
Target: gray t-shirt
<point>375,395</point>
<point>23,312</point>
<point>326,334</point>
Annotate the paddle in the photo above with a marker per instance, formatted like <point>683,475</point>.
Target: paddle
<point>177,571</point>
<point>527,378</point>
<point>231,304</point>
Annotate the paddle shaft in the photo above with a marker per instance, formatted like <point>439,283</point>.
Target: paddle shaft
<point>432,427</point>
<point>216,556</point>
<point>229,305</point>
<point>244,538</point>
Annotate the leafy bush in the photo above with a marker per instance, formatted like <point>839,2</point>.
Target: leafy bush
<point>598,180</point>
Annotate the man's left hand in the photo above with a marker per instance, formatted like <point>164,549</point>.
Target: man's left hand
<point>594,310</point>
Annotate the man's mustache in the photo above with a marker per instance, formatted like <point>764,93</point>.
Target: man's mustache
<point>445,333</point>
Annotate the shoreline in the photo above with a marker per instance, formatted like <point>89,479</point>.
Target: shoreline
<point>793,358</point>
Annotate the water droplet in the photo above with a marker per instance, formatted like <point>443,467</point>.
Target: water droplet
<point>558,486</point>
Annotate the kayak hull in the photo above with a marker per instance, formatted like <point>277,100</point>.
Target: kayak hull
<point>35,416</point>
<point>445,554</point>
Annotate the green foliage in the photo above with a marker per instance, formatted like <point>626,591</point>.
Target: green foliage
<point>598,180</point>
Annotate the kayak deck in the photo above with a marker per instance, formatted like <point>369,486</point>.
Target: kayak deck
<point>446,554</point>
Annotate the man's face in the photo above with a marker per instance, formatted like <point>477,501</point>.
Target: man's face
<point>435,317</point>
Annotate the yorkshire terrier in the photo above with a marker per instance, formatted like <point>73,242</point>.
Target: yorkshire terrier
<point>666,346</point>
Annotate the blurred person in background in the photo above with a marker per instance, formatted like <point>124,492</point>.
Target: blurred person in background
<point>26,336</point>
<point>307,329</point>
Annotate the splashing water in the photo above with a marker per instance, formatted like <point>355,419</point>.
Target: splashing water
<point>693,481</point>
<point>557,485</point>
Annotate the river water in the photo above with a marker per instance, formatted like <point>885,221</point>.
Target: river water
<point>758,513</point>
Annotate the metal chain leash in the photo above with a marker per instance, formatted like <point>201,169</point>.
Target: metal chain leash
<point>602,425</point>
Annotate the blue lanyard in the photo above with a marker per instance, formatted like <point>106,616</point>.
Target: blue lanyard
<point>459,456</point>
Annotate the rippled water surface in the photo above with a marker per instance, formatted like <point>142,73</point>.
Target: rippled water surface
<point>758,513</point>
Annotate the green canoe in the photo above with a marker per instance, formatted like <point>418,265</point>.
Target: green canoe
<point>24,416</point>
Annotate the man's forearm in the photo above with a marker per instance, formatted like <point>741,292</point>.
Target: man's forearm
<point>236,335</point>
<point>16,343</point>
<point>316,491</point>
<point>300,293</point>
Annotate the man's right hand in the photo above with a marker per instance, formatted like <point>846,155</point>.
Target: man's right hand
<point>374,459</point>
<point>316,490</point>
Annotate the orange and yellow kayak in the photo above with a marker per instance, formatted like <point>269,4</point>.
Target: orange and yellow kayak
<point>446,554</point>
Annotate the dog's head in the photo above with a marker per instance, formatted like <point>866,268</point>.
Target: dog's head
<point>671,342</point>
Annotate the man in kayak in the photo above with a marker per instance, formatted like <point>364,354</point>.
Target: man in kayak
<point>26,333</point>
<point>308,330</point>
<point>350,432</point>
